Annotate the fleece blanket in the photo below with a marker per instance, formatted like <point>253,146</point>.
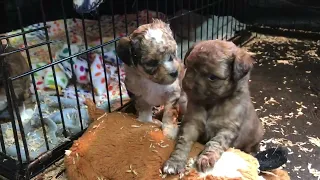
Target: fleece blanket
<point>86,67</point>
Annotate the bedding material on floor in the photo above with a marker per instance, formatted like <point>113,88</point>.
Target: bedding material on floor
<point>285,89</point>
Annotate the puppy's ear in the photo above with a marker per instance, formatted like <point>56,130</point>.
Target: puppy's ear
<point>188,52</point>
<point>243,63</point>
<point>123,50</point>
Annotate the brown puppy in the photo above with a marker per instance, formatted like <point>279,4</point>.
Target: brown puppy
<point>153,72</point>
<point>219,112</point>
<point>16,64</point>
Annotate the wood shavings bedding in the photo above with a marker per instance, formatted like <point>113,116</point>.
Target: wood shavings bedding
<point>287,71</point>
<point>54,172</point>
<point>315,141</point>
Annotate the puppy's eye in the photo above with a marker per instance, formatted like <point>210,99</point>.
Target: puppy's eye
<point>152,63</point>
<point>212,77</point>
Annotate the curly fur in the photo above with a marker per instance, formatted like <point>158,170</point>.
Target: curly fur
<point>153,72</point>
<point>220,113</point>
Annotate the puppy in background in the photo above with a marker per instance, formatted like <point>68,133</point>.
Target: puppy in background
<point>154,73</point>
<point>16,64</point>
<point>220,113</point>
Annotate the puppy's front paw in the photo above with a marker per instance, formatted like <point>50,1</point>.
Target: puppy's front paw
<point>157,122</point>
<point>174,166</point>
<point>207,159</point>
<point>170,130</point>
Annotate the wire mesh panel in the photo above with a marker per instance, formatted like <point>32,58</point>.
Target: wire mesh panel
<point>71,57</point>
<point>287,17</point>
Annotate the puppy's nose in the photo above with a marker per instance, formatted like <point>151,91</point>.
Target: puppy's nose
<point>174,74</point>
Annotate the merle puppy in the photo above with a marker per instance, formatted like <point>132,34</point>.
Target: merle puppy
<point>154,73</point>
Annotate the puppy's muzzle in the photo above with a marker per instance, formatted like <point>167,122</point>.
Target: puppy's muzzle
<point>174,74</point>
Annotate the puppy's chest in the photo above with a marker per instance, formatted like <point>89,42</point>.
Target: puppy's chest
<point>222,117</point>
<point>153,93</point>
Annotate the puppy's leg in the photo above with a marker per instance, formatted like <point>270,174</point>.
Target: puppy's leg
<point>179,156</point>
<point>169,127</point>
<point>191,128</point>
<point>183,101</point>
<point>215,147</point>
<point>144,110</point>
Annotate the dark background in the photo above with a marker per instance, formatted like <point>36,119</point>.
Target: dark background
<point>301,14</point>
